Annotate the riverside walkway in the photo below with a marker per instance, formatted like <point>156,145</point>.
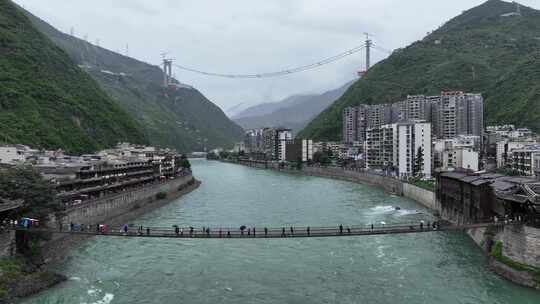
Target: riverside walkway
<point>270,233</point>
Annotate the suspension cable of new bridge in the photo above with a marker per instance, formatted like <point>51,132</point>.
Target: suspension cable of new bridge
<point>368,44</point>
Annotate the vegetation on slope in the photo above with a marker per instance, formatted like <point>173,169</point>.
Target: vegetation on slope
<point>46,101</point>
<point>182,119</point>
<point>478,51</point>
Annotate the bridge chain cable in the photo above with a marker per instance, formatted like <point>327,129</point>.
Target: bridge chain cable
<point>382,49</point>
<point>277,73</point>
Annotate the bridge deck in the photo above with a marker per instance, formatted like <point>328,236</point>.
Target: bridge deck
<point>272,233</point>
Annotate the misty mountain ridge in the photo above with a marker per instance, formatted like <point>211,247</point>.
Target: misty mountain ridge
<point>180,118</point>
<point>292,112</point>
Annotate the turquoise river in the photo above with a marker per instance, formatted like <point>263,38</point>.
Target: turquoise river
<point>418,268</point>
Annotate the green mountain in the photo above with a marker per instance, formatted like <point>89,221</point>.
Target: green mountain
<point>487,50</point>
<point>182,118</point>
<point>47,101</point>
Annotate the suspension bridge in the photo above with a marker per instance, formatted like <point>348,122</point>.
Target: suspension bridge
<point>264,232</point>
<point>367,46</point>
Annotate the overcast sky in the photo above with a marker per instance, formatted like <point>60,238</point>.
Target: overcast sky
<point>248,36</point>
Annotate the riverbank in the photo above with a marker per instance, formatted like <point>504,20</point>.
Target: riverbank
<point>389,184</point>
<point>519,257</point>
<point>20,278</point>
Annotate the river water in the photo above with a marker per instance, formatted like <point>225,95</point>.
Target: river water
<point>443,267</point>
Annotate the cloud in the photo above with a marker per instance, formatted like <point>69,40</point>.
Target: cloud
<point>246,36</point>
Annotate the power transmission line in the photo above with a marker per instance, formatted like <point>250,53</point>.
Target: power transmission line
<point>278,73</point>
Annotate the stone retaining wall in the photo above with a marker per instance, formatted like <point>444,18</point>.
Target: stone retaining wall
<point>522,244</point>
<point>111,206</point>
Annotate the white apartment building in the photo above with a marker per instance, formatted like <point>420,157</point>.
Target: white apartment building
<point>463,158</point>
<point>395,148</point>
<point>413,137</point>
<point>460,152</point>
<point>282,136</point>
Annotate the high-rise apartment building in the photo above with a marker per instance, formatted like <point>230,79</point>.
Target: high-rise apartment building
<point>457,113</point>
<point>415,107</point>
<point>281,138</point>
<point>451,114</point>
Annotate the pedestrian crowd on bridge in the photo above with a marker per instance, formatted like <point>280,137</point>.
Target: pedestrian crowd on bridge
<point>252,232</point>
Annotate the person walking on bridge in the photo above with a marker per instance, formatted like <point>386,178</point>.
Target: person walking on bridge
<point>265,231</point>
<point>308,231</point>
<point>177,230</point>
<point>340,229</point>
<point>292,231</point>
<point>125,229</point>
<point>283,232</point>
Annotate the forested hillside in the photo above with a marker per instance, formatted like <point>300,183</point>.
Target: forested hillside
<point>484,50</point>
<point>183,118</point>
<point>46,100</point>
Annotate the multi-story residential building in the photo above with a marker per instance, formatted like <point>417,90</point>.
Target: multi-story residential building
<point>381,145</point>
<point>460,152</point>
<point>414,138</point>
<point>350,120</point>
<point>523,159</point>
<point>506,148</point>
<point>451,114</point>
<point>299,150</point>
<point>416,107</point>
<point>457,113</point>
<point>457,158</point>
<point>267,143</point>
<point>354,124</point>
<point>396,148</point>
<point>510,131</point>
<point>379,114</point>
<point>281,138</point>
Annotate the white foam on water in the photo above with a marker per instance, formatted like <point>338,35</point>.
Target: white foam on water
<point>107,299</point>
<point>228,289</point>
<point>75,279</point>
<point>93,290</point>
<point>382,209</point>
<point>403,212</point>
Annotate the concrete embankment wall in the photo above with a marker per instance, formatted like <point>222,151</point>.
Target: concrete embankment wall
<point>422,196</point>
<point>101,210</point>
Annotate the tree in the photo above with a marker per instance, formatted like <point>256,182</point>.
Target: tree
<point>419,162</point>
<point>321,158</point>
<point>25,183</point>
<point>184,162</point>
